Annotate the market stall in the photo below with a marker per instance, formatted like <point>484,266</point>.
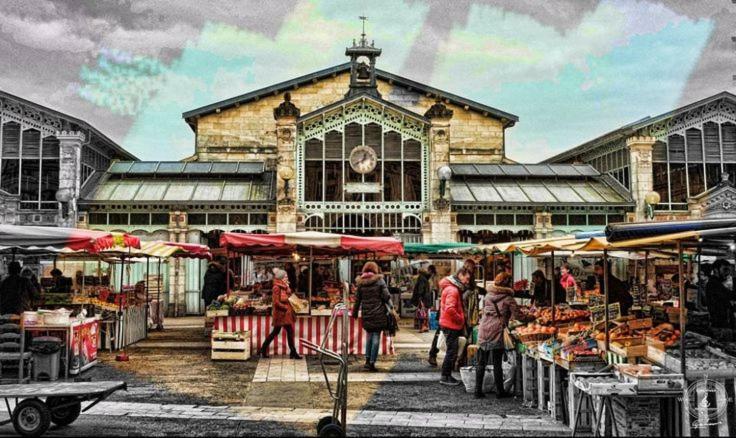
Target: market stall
<point>75,332</point>
<point>598,370</point>
<point>247,309</point>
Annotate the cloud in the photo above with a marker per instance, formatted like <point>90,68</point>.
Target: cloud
<point>54,35</point>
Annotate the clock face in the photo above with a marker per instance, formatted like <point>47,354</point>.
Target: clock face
<point>363,159</point>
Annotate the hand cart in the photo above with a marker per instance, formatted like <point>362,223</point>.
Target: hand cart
<point>335,425</point>
<point>32,417</point>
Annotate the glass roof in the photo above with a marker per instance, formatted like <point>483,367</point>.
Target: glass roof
<point>461,193</point>
<point>104,191</point>
<point>224,167</point>
<point>198,167</point>
<point>181,191</point>
<point>236,191</point>
<point>515,170</point>
<point>125,190</point>
<point>120,166</point>
<point>535,191</point>
<point>511,193</point>
<point>207,192</point>
<point>179,167</point>
<point>250,167</point>
<point>538,193</point>
<point>143,167</point>
<point>152,191</point>
<point>484,192</point>
<point>170,167</point>
<point>531,170</point>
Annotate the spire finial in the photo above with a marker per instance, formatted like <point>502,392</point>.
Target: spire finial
<point>363,18</point>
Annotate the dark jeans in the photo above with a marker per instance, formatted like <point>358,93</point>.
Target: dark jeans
<point>433,350</point>
<point>451,338</point>
<point>496,356</point>
<point>275,332</point>
<point>372,344</point>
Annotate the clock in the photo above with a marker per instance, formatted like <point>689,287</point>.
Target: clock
<point>363,159</point>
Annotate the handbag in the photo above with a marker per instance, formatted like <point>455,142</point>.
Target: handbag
<point>392,320</point>
<point>508,342</point>
<point>421,313</point>
<point>298,305</point>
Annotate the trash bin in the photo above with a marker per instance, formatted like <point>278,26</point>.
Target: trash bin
<point>46,357</point>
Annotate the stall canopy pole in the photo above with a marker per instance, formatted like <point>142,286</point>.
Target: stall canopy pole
<point>646,268</point>
<point>159,277</point>
<point>311,264</point>
<point>681,280</point>
<point>485,271</point>
<point>227,274</point>
<point>605,296</point>
<point>148,272</point>
<point>554,287</point>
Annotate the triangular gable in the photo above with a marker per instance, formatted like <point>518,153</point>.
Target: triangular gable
<point>508,119</point>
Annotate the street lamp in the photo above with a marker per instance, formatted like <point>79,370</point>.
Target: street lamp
<point>651,199</point>
<point>286,173</point>
<point>444,173</point>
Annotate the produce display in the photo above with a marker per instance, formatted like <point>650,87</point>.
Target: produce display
<point>563,314</point>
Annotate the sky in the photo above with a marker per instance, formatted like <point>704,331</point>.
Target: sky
<point>569,69</point>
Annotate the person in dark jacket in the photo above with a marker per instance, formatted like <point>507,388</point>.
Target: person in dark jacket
<point>542,290</point>
<point>291,274</point>
<point>15,292</point>
<point>215,280</point>
<point>499,307</point>
<point>282,313</point>
<point>422,294</point>
<point>35,296</point>
<point>618,292</point>
<point>718,296</point>
<point>372,300</point>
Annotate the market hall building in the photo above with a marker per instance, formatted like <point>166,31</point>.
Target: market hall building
<point>47,158</point>
<point>357,150</point>
<point>687,157</point>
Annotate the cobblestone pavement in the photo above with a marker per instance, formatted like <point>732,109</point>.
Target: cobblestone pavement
<point>307,417</point>
<point>182,392</point>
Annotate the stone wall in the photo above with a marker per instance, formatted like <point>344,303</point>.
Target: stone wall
<point>248,132</point>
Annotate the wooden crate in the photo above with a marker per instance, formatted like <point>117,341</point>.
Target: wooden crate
<point>529,378</point>
<point>231,346</point>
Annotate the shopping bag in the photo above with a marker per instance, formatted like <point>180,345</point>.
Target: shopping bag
<point>299,305</point>
<point>442,342</point>
<point>508,341</point>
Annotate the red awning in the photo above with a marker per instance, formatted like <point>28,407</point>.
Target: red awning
<point>320,243</point>
<point>54,239</point>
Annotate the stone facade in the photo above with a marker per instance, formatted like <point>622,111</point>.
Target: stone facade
<point>248,131</point>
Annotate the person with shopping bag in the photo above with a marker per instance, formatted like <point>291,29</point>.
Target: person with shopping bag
<point>499,307</point>
<point>452,321</point>
<point>374,301</point>
<point>283,314</point>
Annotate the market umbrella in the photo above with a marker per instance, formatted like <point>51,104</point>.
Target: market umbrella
<point>435,248</point>
<point>54,239</point>
<point>638,230</point>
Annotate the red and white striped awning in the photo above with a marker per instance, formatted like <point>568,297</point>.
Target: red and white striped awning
<point>54,239</point>
<point>321,243</point>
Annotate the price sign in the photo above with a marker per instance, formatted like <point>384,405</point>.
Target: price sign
<point>595,300</point>
<point>597,313</point>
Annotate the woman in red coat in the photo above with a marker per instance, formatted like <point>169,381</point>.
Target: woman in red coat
<point>283,314</point>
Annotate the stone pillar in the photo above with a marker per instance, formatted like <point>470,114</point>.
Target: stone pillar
<point>286,212</point>
<point>70,150</point>
<point>441,227</point>
<point>640,150</point>
<point>542,225</point>
<point>177,267</point>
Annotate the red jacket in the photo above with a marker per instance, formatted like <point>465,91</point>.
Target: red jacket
<point>452,316</point>
<point>283,314</point>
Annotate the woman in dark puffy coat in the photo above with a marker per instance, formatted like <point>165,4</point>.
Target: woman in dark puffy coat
<point>283,314</point>
<point>499,307</point>
<point>372,299</point>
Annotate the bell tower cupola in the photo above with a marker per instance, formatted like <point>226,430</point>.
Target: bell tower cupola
<point>363,66</point>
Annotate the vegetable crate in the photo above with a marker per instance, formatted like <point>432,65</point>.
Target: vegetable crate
<point>231,346</point>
